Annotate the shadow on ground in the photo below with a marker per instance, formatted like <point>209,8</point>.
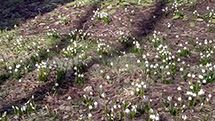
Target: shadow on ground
<point>14,12</point>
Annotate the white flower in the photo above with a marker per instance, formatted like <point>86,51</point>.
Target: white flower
<point>179,88</point>
<point>16,70</point>
<point>95,104</point>
<point>90,107</point>
<point>103,95</point>
<point>100,86</point>
<point>169,98</point>
<point>69,98</point>
<point>23,108</point>
<point>201,92</point>
<point>193,75</point>
<point>115,106</point>
<point>91,93</point>
<point>183,106</point>
<point>56,84</point>
<point>108,77</point>
<point>169,25</point>
<point>90,115</point>
<point>189,75</point>
<point>204,81</point>
<point>209,95</point>
<point>189,93</point>
<point>10,67</point>
<point>184,117</point>
<point>18,66</point>
<point>157,117</point>
<point>154,117</point>
<point>137,89</point>
<point>127,110</point>
<point>200,77</point>
<point>179,99</point>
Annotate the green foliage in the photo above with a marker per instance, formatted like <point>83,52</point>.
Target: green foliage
<point>43,74</point>
<point>178,15</point>
<point>87,101</point>
<point>53,35</point>
<point>79,80</point>
<point>28,108</point>
<point>211,29</point>
<point>210,77</point>
<point>205,61</point>
<point>4,117</point>
<point>61,74</point>
<point>184,53</point>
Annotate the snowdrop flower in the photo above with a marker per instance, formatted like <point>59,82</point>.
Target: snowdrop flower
<point>184,117</point>
<point>169,98</point>
<point>18,66</point>
<point>16,70</point>
<point>189,98</point>
<point>90,107</point>
<point>179,99</point>
<point>95,104</point>
<point>127,110</point>
<point>208,8</point>
<point>108,77</point>
<point>179,88</point>
<point>90,115</point>
<point>189,75</point>
<point>154,117</point>
<point>200,77</point>
<point>115,106</point>
<point>10,68</point>
<point>193,75</point>
<point>201,92</point>
<point>204,81</point>
<point>69,98</point>
<point>103,95</point>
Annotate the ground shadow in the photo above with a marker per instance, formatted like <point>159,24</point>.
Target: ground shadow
<point>14,12</point>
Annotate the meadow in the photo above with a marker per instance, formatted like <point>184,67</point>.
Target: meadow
<point>107,60</point>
